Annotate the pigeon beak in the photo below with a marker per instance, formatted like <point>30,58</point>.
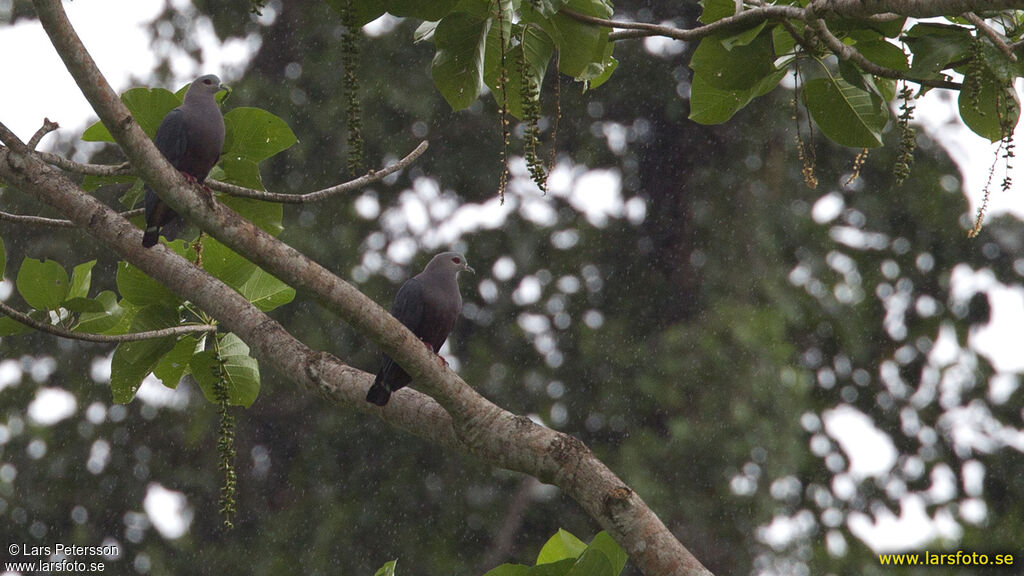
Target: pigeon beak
<point>468,268</point>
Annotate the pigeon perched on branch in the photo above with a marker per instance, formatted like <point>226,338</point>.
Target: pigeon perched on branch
<point>190,137</point>
<point>428,304</point>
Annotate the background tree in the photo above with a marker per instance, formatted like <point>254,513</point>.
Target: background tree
<point>693,335</point>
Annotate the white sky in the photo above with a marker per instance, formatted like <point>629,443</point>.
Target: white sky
<point>41,87</point>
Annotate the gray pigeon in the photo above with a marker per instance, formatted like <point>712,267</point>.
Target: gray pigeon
<point>428,304</point>
<point>190,137</point>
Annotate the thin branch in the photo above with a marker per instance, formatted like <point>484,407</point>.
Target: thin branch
<point>124,169</point>
<point>847,52</point>
<point>56,222</point>
<point>368,178</point>
<point>994,36</point>
<point>102,338</point>
<point>45,129</point>
<point>747,18</point>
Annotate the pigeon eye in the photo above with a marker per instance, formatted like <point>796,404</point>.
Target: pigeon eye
<point>456,260</point>
<point>207,81</point>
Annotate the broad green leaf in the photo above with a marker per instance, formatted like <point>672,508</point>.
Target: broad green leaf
<point>132,361</point>
<point>80,304</point>
<point>1000,66</point>
<point>738,69</point>
<point>458,65</point>
<point>559,547</point>
<point>139,289</point>
<point>266,215</point>
<point>583,48</point>
<point>592,562</point>
<point>559,568</point>
<point>936,46</point>
<point>716,10</point>
<point>255,134</point>
<point>846,114</point>
<point>995,101</point>
<point>100,322</point>
<point>258,287</point>
<point>133,195</point>
<point>42,284</point>
<point>388,569</point>
<point>549,8</point>
<point>266,292</point>
<point>148,107</point>
<point>538,50</point>
<point>238,170</point>
<point>743,38</point>
<point>11,327</point>
<point>172,366</point>
<point>432,10</point>
<point>710,105</point>
<point>611,549</point>
<point>240,369</point>
<point>782,41</point>
<point>81,279</point>
<point>609,68</point>
<point>884,53</point>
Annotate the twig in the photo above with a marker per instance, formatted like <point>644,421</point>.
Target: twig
<point>994,36</point>
<point>45,129</point>
<point>847,52</point>
<point>369,178</point>
<point>103,338</point>
<point>54,222</point>
<point>641,29</point>
<point>124,169</point>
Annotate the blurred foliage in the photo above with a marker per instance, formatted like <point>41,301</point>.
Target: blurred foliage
<point>699,332</point>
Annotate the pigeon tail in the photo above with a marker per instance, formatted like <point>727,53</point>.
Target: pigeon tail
<point>378,394</point>
<point>151,236</point>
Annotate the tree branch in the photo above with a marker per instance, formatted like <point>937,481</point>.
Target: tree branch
<point>364,180</point>
<point>45,129</point>
<point>467,421</point>
<point>994,36</point>
<point>103,338</point>
<point>55,222</point>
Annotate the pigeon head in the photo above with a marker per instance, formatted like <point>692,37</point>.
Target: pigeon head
<point>454,262</point>
<point>205,85</point>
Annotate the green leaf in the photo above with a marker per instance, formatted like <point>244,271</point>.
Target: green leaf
<point>133,195</point>
<point>267,215</point>
<point>132,361</point>
<point>743,38</point>
<point>256,285</point>
<point>549,8</point>
<point>81,279</point>
<point>432,10</point>
<point>388,569</point>
<point>583,48</point>
<point>559,547</point>
<point>846,114</point>
<point>884,53</point>
<point>782,42</point>
<point>738,69</point>
<point>240,369</point>
<point>172,366</point>
<point>716,10</point>
<point>108,318</point>
<point>611,549</point>
<point>538,49</point>
<point>139,289</point>
<point>425,31</point>
<point>935,46</point>
<point>148,107</point>
<point>592,562</point>
<point>710,105</point>
<point>80,304</point>
<point>994,101</point>
<point>255,134</point>
<point>11,327</point>
<point>458,65</point>
<point>42,284</point>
